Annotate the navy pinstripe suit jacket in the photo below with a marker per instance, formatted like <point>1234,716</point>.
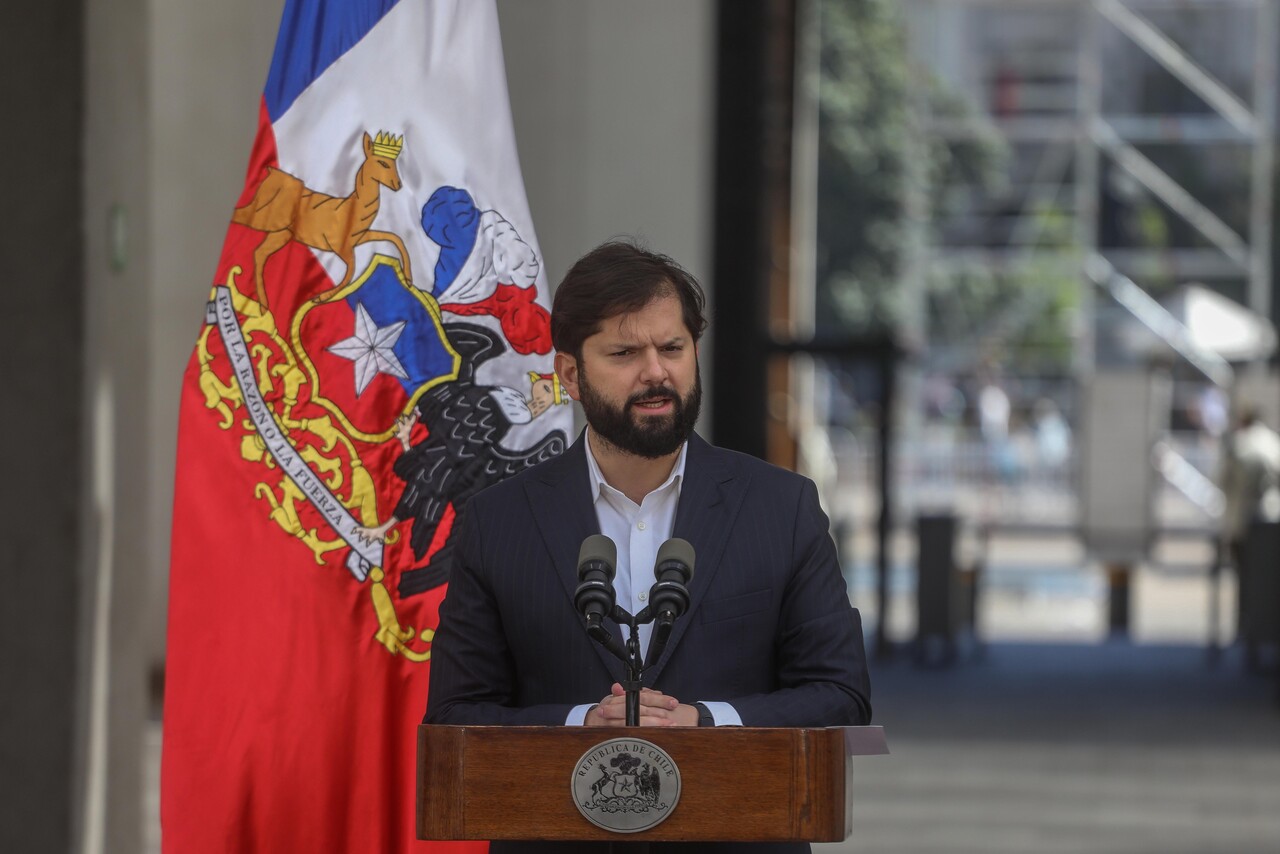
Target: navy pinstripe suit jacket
<point>769,626</point>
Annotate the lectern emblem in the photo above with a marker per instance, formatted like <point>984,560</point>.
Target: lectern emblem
<point>626,785</point>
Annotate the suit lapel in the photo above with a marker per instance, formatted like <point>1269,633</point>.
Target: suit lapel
<point>710,497</point>
<point>559,498</point>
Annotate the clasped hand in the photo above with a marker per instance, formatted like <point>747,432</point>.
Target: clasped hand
<point>656,709</point>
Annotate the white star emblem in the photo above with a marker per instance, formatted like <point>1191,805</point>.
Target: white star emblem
<point>370,349</point>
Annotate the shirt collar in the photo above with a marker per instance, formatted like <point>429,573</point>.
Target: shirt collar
<point>598,481</point>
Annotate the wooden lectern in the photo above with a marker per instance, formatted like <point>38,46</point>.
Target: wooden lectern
<point>737,783</point>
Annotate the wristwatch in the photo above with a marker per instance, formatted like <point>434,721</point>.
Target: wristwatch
<point>704,715</point>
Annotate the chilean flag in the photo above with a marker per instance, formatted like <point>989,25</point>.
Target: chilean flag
<point>383,203</point>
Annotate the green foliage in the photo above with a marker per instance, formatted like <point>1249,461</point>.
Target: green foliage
<point>863,123</point>
<point>866,137</point>
<point>1025,313</point>
<point>978,157</point>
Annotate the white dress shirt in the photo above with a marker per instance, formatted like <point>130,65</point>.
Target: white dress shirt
<point>638,530</point>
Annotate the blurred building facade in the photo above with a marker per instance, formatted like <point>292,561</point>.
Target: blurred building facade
<point>1076,166</point>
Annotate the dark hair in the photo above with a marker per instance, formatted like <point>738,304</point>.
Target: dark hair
<point>615,278</point>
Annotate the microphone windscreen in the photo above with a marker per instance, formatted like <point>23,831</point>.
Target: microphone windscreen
<point>678,550</point>
<point>598,547</point>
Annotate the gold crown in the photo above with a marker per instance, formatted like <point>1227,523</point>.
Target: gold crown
<point>557,390</point>
<point>387,145</point>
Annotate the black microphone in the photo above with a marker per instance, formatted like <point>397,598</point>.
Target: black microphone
<point>595,596</point>
<point>669,597</point>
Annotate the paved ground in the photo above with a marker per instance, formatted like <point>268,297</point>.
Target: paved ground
<point>1056,739</point>
<point>1072,748</point>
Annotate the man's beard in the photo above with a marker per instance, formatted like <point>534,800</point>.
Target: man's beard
<point>650,437</point>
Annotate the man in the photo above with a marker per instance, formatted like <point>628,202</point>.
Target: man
<point>1251,478</point>
<point>1251,485</point>
<point>769,638</point>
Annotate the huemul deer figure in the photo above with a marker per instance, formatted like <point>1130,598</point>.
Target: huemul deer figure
<point>285,209</point>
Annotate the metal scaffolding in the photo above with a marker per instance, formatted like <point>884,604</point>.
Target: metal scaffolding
<point>1044,75</point>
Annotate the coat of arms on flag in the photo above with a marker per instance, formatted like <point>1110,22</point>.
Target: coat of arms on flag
<point>376,350</point>
<point>366,361</point>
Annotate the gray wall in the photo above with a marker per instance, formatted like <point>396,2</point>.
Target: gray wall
<point>614,109</point>
<point>614,112</point>
<point>117,502</point>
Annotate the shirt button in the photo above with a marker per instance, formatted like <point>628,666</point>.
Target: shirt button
<point>640,525</point>
<point>644,597</point>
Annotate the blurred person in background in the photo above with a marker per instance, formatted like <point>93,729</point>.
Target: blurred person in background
<point>1251,486</point>
<point>994,412</point>
<point>1053,435</point>
<point>1250,479</point>
<point>1212,412</point>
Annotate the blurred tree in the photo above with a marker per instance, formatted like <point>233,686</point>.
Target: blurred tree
<point>862,127</point>
<point>865,137</point>
<point>1024,314</point>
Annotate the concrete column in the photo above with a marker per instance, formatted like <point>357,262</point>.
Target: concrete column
<point>116,150</point>
<point>41,326</point>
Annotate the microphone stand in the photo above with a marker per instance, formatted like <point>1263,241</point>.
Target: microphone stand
<point>630,654</point>
<point>632,685</point>
<point>632,658</point>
